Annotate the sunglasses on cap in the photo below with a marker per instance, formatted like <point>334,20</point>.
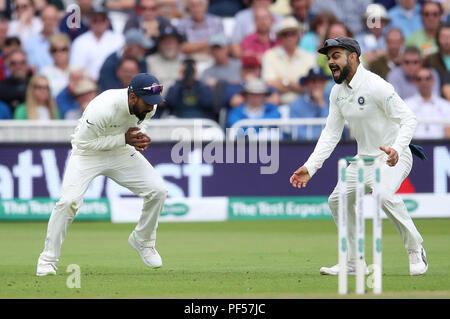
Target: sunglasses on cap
<point>148,90</point>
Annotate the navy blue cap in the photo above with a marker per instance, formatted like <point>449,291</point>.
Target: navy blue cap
<point>315,72</point>
<point>142,84</point>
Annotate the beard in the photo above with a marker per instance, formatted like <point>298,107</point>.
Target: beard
<point>343,73</point>
<point>140,116</point>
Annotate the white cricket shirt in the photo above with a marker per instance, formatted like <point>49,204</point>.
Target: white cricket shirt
<point>375,114</point>
<point>104,122</point>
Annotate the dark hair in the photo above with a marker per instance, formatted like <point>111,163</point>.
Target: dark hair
<point>12,40</point>
<point>441,10</point>
<point>326,15</point>
<point>412,50</point>
<point>124,59</point>
<point>445,25</point>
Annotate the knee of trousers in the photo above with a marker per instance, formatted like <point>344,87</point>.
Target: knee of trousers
<point>386,197</point>
<point>69,205</point>
<point>158,193</point>
<point>333,202</point>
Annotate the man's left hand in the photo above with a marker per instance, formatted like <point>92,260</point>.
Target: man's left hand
<point>392,155</point>
<point>144,142</point>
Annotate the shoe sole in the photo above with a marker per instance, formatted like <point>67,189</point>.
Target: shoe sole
<point>40,274</point>
<point>351,273</point>
<point>131,242</point>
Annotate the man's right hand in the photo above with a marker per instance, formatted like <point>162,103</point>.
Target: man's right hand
<point>139,140</point>
<point>300,177</point>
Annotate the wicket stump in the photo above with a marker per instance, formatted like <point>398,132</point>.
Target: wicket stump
<point>375,209</point>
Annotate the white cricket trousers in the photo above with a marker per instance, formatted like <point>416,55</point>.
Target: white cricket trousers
<point>391,203</point>
<point>128,168</point>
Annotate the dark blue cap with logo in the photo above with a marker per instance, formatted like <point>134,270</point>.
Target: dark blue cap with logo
<point>147,86</point>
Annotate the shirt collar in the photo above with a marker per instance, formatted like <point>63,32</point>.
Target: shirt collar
<point>357,77</point>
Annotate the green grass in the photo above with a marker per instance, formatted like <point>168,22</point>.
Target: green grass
<point>257,259</point>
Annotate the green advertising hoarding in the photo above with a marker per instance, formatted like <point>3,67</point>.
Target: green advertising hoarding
<point>40,209</point>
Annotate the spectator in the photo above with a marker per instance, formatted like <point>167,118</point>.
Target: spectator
<point>425,38</point>
<point>13,88</point>
<point>58,72</point>
<point>245,23</point>
<point>197,30</point>
<point>5,111</point>
<point>84,91</point>
<point>124,6</point>
<point>254,106</point>
<point>428,104</point>
<point>171,9</point>
<point>349,12</point>
<point>39,104</point>
<point>300,9</point>
<point>4,22</point>
<point>335,30</point>
<point>445,89</point>
<point>314,38</point>
<point>393,56</point>
<point>314,103</point>
<point>66,98</point>
<point>225,8</point>
<point>148,19</point>
<point>37,46</point>
<point>283,65</point>
<point>406,16</point>
<point>75,26</point>
<point>128,68</point>
<point>165,63</point>
<point>441,59</point>
<point>26,23</point>
<point>373,41</point>
<point>91,49</point>
<point>189,97</point>
<point>251,68</point>
<point>6,8</point>
<point>39,5</point>
<point>11,44</point>
<point>255,44</point>
<point>225,68</point>
<point>402,77</point>
<point>136,46</point>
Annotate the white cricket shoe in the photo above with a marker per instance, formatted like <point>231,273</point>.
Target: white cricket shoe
<point>418,264</point>
<point>44,269</point>
<point>334,270</point>
<point>149,255</point>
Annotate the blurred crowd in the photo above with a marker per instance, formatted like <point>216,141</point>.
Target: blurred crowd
<point>224,60</point>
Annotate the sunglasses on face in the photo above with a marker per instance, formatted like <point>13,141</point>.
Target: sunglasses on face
<point>40,87</point>
<point>20,62</point>
<point>22,6</point>
<point>54,50</point>
<point>408,62</point>
<point>288,34</point>
<point>431,14</point>
<point>426,78</point>
<point>154,8</point>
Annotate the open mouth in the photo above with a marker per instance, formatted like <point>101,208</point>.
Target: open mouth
<point>335,69</point>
